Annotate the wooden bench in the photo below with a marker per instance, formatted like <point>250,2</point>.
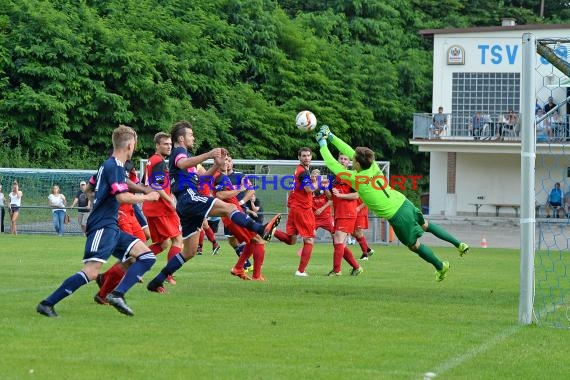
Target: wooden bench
<point>497,206</point>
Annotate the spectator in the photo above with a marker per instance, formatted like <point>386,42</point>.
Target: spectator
<point>83,204</point>
<point>554,201</point>
<point>510,120</point>
<point>15,204</point>
<point>543,126</point>
<point>550,105</point>
<point>57,202</point>
<point>2,211</point>
<point>477,125</point>
<point>438,123</point>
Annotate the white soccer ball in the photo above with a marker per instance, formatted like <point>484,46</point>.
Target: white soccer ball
<point>306,121</point>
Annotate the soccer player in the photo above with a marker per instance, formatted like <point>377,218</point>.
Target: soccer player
<point>300,222</point>
<point>163,222</point>
<point>228,187</point>
<point>103,235</point>
<point>192,208</point>
<point>322,204</point>
<point>128,223</point>
<point>361,225</point>
<point>345,214</point>
<point>369,181</point>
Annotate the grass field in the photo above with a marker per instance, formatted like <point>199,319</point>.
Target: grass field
<point>392,322</point>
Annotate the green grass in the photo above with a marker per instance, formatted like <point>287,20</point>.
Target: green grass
<point>392,322</point>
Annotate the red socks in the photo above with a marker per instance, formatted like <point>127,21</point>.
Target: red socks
<point>305,256</point>
<point>111,279</point>
<point>363,243</point>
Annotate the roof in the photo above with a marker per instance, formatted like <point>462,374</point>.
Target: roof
<point>482,29</point>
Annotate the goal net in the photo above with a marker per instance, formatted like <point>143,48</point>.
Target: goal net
<point>551,122</point>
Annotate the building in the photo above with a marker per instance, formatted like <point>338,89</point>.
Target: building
<point>479,70</point>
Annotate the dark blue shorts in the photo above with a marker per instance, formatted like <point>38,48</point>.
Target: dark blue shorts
<point>14,209</point>
<point>104,242</point>
<point>192,208</point>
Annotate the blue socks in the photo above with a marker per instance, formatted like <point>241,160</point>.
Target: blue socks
<point>135,272</point>
<point>172,266</point>
<point>70,285</point>
<point>243,220</point>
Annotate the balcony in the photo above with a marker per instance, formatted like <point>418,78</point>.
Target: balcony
<point>458,135</point>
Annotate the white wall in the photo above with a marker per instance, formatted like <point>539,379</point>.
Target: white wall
<point>499,51</point>
<point>437,183</point>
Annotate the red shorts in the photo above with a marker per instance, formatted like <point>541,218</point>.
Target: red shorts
<point>345,225</point>
<point>324,223</point>
<point>300,222</point>
<point>163,228</point>
<point>128,223</point>
<point>242,234</point>
<point>362,222</point>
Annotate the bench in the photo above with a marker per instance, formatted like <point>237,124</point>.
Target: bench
<point>497,206</point>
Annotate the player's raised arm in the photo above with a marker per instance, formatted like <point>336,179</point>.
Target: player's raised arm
<point>342,173</point>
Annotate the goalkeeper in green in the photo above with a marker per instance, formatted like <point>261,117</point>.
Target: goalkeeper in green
<point>370,184</point>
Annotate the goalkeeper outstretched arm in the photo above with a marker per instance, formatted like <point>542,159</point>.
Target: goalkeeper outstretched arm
<point>335,166</point>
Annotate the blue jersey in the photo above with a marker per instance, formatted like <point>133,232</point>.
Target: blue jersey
<point>182,179</point>
<point>109,181</point>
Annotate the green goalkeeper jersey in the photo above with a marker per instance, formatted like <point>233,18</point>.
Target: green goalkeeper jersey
<point>370,184</point>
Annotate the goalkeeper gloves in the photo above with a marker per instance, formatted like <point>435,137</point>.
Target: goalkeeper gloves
<point>325,130</point>
<point>321,139</point>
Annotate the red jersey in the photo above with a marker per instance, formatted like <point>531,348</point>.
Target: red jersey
<point>364,210</point>
<point>319,200</point>
<point>156,176</point>
<point>298,197</point>
<point>344,208</point>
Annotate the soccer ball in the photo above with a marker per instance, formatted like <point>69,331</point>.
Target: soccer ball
<point>306,121</point>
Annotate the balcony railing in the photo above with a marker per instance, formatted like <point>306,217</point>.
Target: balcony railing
<point>494,128</point>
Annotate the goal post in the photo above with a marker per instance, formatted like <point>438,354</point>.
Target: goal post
<point>544,294</point>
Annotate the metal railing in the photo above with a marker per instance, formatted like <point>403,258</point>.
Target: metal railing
<point>493,127</point>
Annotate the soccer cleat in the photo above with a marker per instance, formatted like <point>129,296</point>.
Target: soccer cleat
<point>100,300</point>
<point>463,249</point>
<point>156,286</point>
<point>441,274</point>
<point>199,250</point>
<point>364,257</point>
<point>332,273</point>
<point>215,249</point>
<point>270,227</point>
<point>46,310</point>
<point>240,273</point>
<point>99,280</point>
<point>119,303</point>
<point>259,278</point>
<point>370,252</point>
<point>171,279</point>
<point>356,271</point>
<point>301,274</point>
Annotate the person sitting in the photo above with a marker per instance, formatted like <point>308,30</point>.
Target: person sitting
<point>476,125</point>
<point>550,105</point>
<point>510,120</point>
<point>554,201</point>
<point>542,127</point>
<point>438,123</point>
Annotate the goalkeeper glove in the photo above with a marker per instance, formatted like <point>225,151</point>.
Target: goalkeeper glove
<point>325,130</point>
<point>321,139</point>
